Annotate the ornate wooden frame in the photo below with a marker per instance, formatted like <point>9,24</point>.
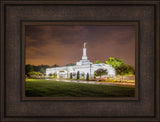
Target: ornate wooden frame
<point>15,107</point>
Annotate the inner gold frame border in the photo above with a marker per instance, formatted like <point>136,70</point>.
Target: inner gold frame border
<point>81,23</point>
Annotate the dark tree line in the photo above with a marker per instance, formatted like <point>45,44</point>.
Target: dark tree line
<point>38,68</point>
<point>41,68</point>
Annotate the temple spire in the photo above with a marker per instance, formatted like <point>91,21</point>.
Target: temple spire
<point>84,60</point>
<point>85,44</point>
<point>84,57</point>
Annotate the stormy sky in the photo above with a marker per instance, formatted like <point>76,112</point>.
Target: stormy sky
<point>55,44</point>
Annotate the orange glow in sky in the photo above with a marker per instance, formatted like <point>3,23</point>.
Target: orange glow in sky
<point>49,45</point>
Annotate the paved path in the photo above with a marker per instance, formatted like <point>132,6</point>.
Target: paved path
<point>87,82</point>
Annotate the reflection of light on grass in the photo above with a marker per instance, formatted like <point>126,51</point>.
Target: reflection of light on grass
<point>124,81</point>
<point>31,80</point>
<point>128,81</point>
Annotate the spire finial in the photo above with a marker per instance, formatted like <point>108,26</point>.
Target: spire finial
<point>85,44</point>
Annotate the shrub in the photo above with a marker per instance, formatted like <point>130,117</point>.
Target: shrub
<point>70,75</point>
<point>87,78</point>
<point>50,74</point>
<point>34,73</point>
<point>77,75</point>
<point>54,75</point>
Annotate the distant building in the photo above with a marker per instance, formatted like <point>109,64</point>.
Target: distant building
<point>84,66</point>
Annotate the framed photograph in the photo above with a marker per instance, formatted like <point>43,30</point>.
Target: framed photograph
<point>109,74</point>
<point>79,61</point>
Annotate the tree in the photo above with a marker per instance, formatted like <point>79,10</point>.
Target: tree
<point>115,62</point>
<point>95,74</point>
<point>55,65</point>
<point>87,77</point>
<point>46,66</point>
<point>70,64</point>
<point>70,75</point>
<point>39,68</point>
<point>100,72</point>
<point>28,68</point>
<point>124,70</point>
<point>77,75</point>
<point>42,70</point>
<point>98,62</point>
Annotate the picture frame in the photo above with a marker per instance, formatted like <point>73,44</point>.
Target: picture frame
<point>16,107</point>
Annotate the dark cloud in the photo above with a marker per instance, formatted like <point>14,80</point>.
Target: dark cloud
<point>63,44</point>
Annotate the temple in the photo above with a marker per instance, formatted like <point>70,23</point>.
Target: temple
<point>84,66</point>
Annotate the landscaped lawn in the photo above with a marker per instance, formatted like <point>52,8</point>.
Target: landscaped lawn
<point>51,88</point>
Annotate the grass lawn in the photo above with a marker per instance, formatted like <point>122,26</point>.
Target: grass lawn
<point>51,88</point>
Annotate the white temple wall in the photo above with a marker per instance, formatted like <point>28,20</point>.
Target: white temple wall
<point>82,69</point>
